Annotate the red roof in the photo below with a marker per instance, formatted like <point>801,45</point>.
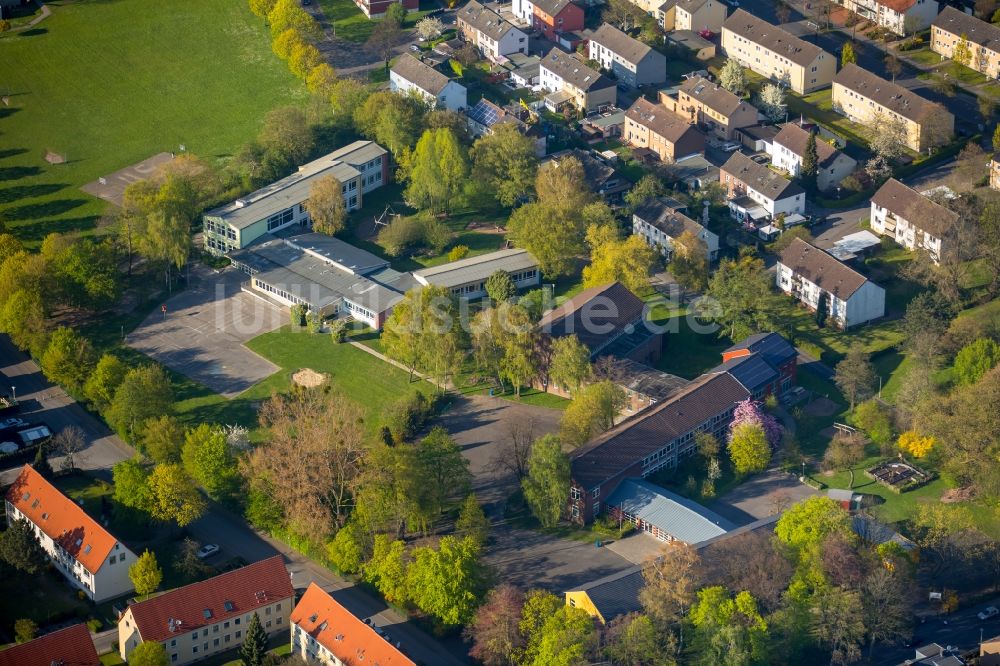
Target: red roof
<point>61,519</point>
<point>227,595</point>
<point>71,646</point>
<point>342,633</point>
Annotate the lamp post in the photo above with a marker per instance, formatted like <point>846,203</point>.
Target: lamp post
<point>13,393</point>
<point>803,470</point>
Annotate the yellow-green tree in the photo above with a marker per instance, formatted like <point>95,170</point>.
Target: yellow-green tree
<point>628,261</point>
<point>546,487</point>
<point>283,44</point>
<point>321,79</point>
<point>570,364</point>
<point>915,444</point>
<point>303,59</point>
<point>437,170</point>
<point>145,574</point>
<point>173,496</point>
<point>326,206</point>
<point>505,161</point>
<point>962,54</point>
<point>749,449</point>
<point>592,411</point>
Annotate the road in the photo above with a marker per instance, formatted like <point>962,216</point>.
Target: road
<point>961,631</point>
<point>43,401</point>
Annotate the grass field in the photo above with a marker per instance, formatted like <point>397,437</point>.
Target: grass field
<point>350,23</point>
<point>111,83</point>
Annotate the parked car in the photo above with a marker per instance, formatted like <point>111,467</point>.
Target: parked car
<point>12,423</point>
<point>730,146</point>
<point>207,551</point>
<point>990,612</point>
<point>414,48</point>
<point>706,34</point>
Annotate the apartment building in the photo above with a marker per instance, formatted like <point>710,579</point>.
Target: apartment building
<point>865,98</point>
<point>550,17</point>
<point>376,8</point>
<point>210,617</point>
<point>360,167</point>
<point>757,193</point>
<point>70,646</point>
<point>710,106</point>
<point>85,553</point>
<point>493,35</point>
<point>912,220</point>
<point>660,224</point>
<point>788,149</point>
<point>952,26</point>
<point>572,82</point>
<point>326,633</point>
<point>654,127</point>
<point>900,17</point>
<point>410,75</point>
<point>693,15</point>
<point>819,281</point>
<point>633,63</point>
<point>777,54</point>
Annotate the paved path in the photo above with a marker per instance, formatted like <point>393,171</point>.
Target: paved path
<point>44,14</point>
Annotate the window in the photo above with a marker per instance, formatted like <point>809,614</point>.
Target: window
<point>225,625</point>
<point>596,492</point>
<point>194,650</point>
<point>238,634</point>
<point>173,643</point>
<point>173,657</point>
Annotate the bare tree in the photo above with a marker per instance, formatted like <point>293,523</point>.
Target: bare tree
<point>385,36</point>
<point>749,562</point>
<point>672,578</point>
<point>887,601</point>
<point>69,443</point>
<point>893,67</point>
<point>511,457</point>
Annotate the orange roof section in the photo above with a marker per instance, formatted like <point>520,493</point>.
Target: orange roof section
<point>61,519</point>
<point>71,646</point>
<point>342,633</point>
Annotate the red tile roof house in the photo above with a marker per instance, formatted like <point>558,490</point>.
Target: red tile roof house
<point>323,631</point>
<point>212,616</point>
<point>89,556</point>
<point>71,646</point>
<point>550,17</point>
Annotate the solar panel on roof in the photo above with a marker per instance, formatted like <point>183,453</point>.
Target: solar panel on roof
<point>484,113</point>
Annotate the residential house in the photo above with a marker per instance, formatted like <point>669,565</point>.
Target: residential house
<point>572,82</point>
<point>756,192</point>
<point>552,18</point>
<point>654,127</point>
<point>788,150</point>
<point>995,171</point>
<point>655,438</point>
<point>360,167</point>
<point>609,320</point>
<point>466,278</point>
<point>819,281</point>
<point>484,116</point>
<point>693,15</point>
<point>983,40</point>
<point>376,8</point>
<point>757,138</point>
<point>866,98</point>
<point>777,54</point>
<point>410,74</point>
<point>697,46</point>
<point>660,225</point>
<point>493,35</point>
<point>711,106</point>
<point>989,652</point>
<point>599,173</point>
<point>70,646</point>
<point>912,219</point>
<point>605,125</point>
<point>774,350</point>
<point>633,63</point>
<point>694,171</point>
<point>935,655</point>
<point>325,632</point>
<point>210,617</point>
<point>84,552</point>
<point>663,514</point>
<point>900,17</point>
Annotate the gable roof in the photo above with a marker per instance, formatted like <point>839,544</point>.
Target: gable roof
<point>892,96</point>
<point>915,208</point>
<point>678,516</point>
<point>227,595</point>
<point>899,6</point>
<point>759,177</point>
<point>61,519</point>
<point>752,371</point>
<point>420,74</point>
<point>485,20</point>
<point>573,71</point>
<point>659,120</point>
<point>613,39</point>
<point>551,7</point>
<point>661,214</point>
<point>596,316</point>
<point>794,137</point>
<point>771,37</point>
<point>596,171</point>
<point>71,646</point>
<point>976,31</point>
<point>616,450</point>
<point>342,633</point>
<point>713,96</point>
<point>822,269</point>
<point>615,595</point>
<point>775,349</point>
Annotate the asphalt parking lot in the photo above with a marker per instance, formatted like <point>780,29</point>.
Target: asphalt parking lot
<point>202,332</point>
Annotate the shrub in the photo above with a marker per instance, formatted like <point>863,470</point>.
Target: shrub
<point>338,330</point>
<point>25,630</point>
<point>94,625</point>
<point>408,415</point>
<point>314,322</point>
<point>458,252</point>
<point>297,313</point>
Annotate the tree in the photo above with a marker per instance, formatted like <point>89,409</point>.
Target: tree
<point>173,496</point>
<point>809,522</point>
<point>441,471</point>
<point>254,648</point>
<point>855,375</point>
<point>546,487</point>
<point>395,12</point>
<point>888,138</point>
<point>162,438</point>
<point>622,14</point>
<point>321,80</point>
<point>145,574</point>
<point>144,393</point>
<point>916,445</point>
<point>68,443</point>
<point>671,578</point>
<point>749,412</point>
<point>472,521</point>
<point>837,624</point>
<point>20,549</point>
<point>429,27</point>
<point>500,287</point>
<point>149,653</point>
<point>591,412</point>
<point>733,78</point>
<point>41,462</point>
<point>424,331</point>
<point>728,629</point>
<point>511,457</point>
<point>437,171</point>
<point>447,582</point>
<point>494,632</point>
<point>303,59</point>
<point>25,630</point>
<point>772,100</point>
<point>326,206</point>
<point>847,56</point>
<point>741,300</point>
<point>648,187</point>
<point>892,66</point>
<point>68,359</point>
<point>569,367</point>
<point>505,161</point>
<point>628,261</point>
<point>386,569</point>
<point>107,375</point>
<point>131,482</point>
<point>188,563</point>
<point>749,562</point>
<point>288,14</point>
<point>689,261</point>
<point>810,164</point>
<point>286,136</point>
<point>208,459</point>
<point>845,451</point>
<point>976,359</point>
<point>564,638</point>
<point>748,449</point>
<point>783,12</point>
<point>874,420</point>
<point>886,601</point>
<point>384,37</point>
<point>962,53</point>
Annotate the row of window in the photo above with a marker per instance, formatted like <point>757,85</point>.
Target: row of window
<point>280,219</point>
<point>219,245</point>
<point>260,284</point>
<point>224,640</point>
<point>221,229</point>
<point>359,311</point>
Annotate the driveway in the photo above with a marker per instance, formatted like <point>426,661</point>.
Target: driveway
<point>763,495</point>
<point>202,332</point>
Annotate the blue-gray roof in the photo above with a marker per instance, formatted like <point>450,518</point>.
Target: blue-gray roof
<point>752,371</point>
<point>678,516</point>
<point>617,594</point>
<point>774,348</point>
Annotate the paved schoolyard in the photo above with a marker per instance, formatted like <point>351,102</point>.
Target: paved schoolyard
<point>762,496</point>
<point>203,331</point>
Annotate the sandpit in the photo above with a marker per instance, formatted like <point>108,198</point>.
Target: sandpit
<point>309,378</point>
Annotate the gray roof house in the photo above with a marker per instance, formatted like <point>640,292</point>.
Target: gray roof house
<point>408,74</point>
<point>633,63</point>
<point>664,514</point>
<point>660,225</point>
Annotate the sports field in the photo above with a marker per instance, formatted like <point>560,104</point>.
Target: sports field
<point>108,84</point>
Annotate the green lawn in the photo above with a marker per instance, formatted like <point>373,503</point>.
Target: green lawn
<point>111,83</point>
<point>923,56</point>
<point>818,106</point>
<point>350,23</point>
<point>686,352</point>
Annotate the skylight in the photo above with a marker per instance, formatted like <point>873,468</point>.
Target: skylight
<point>207,613</point>
<point>229,606</point>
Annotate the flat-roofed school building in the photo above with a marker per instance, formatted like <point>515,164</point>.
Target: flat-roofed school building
<point>466,278</point>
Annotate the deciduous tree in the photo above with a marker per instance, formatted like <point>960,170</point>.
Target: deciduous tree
<point>20,549</point>
<point>809,522</point>
<point>500,287</point>
<point>68,358</point>
<point>855,375</point>
<point>592,411</point>
<point>505,160</point>
<point>546,487</point>
<point>144,393</point>
<point>424,332</point>
<point>810,164</point>
<point>131,482</point>
<point>326,206</point>
<point>386,569</point>
<point>149,653</point>
<point>671,578</point>
<point>976,359</point>
<point>733,78</point>
<point>208,459</point>
<point>162,438</point>
<point>845,452</point>
<point>847,56</point>
<point>104,380</point>
<point>69,443</point>
<point>837,624</point>
<point>749,449</point>
<point>173,497</point>
<point>447,582</point>
<point>429,27</point>
<point>494,631</point>
<point>472,521</point>
<point>689,261</point>
<point>772,100</point>
<point>145,574</point>
<point>569,367</point>
<point>629,260</point>
<point>437,171</point>
<point>741,298</point>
